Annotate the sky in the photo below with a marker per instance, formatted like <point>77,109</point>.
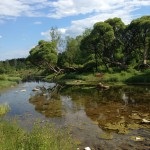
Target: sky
<point>24,22</point>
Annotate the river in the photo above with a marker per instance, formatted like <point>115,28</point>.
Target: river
<point>101,119</point>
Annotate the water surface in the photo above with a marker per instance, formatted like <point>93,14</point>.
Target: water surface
<point>90,113</point>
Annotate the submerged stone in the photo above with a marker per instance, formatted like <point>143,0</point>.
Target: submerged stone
<point>137,138</point>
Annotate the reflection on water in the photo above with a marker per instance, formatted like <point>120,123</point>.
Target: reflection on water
<point>91,114</point>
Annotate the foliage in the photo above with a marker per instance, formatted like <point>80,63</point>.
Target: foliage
<point>109,47</point>
<point>12,65</point>
<point>98,41</point>
<point>44,55</point>
<point>116,45</point>
<point>89,66</point>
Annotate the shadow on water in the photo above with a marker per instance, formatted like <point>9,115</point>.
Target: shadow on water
<point>104,119</point>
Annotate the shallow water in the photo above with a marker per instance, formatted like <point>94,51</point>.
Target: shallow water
<point>91,114</point>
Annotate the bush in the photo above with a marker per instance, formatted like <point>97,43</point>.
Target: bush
<point>89,66</point>
<point>3,77</point>
<point>123,73</point>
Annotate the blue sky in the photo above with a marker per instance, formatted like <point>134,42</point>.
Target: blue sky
<point>24,22</point>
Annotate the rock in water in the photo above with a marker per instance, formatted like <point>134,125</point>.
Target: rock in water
<point>87,148</point>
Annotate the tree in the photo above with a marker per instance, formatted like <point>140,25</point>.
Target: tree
<point>73,56</point>
<point>44,55</point>
<point>138,38</point>
<point>117,44</point>
<point>144,28</point>
<point>98,42</point>
<point>56,38</point>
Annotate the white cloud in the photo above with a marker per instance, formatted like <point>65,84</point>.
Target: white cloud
<point>1,36</point>
<point>93,11</point>
<point>15,8</point>
<point>46,34</point>
<point>78,26</point>
<point>64,8</point>
<point>38,22</point>
<point>12,8</point>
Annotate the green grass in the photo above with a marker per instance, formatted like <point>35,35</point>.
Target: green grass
<point>42,137</point>
<point>116,77</point>
<point>142,78</point>
<point>4,108</point>
<point>8,80</point>
<point>123,77</point>
<point>4,84</point>
<point>128,77</point>
<point>78,79</point>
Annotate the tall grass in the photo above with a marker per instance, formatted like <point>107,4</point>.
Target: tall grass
<point>123,76</point>
<point>4,108</point>
<point>42,137</point>
<point>143,77</point>
<point>7,80</point>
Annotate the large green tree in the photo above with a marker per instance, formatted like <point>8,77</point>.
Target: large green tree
<point>138,40</point>
<point>116,56</point>
<point>44,55</point>
<point>98,42</point>
<point>73,56</point>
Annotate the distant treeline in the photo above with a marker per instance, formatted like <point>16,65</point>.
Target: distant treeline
<point>13,64</point>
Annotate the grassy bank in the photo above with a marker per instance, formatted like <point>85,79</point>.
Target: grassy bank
<point>130,76</point>
<point>42,136</point>
<point>123,77</point>
<point>8,80</point>
<point>78,79</point>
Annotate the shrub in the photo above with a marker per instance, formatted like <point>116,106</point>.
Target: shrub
<point>89,66</point>
<point>3,77</point>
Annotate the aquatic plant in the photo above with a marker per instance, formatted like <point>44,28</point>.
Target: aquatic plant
<point>106,136</point>
<point>4,108</point>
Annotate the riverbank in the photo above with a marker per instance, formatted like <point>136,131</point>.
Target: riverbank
<point>130,77</point>
<point>42,137</point>
<point>8,80</point>
<point>121,78</point>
